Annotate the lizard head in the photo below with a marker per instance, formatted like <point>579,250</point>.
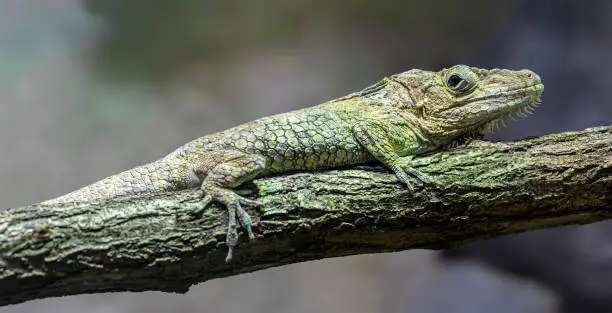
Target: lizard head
<point>461,99</point>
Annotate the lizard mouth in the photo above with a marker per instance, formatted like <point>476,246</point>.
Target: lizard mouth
<point>522,102</point>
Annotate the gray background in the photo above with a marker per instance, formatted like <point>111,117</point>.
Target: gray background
<point>90,88</point>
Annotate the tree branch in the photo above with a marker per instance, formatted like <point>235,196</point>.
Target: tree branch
<point>155,243</point>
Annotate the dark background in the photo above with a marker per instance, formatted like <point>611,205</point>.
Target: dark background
<point>90,88</point>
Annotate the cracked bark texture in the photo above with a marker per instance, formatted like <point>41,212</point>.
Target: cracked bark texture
<point>153,242</point>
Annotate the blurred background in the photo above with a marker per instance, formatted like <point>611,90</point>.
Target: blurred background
<point>89,88</point>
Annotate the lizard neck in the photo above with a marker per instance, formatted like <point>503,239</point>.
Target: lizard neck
<point>434,135</point>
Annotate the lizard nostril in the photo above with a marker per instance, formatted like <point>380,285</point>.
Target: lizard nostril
<point>529,75</point>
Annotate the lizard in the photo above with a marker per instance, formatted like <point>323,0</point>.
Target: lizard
<point>393,121</point>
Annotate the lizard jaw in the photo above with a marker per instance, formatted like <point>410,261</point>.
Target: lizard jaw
<point>517,112</point>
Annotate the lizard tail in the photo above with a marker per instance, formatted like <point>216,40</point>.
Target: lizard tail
<point>161,175</point>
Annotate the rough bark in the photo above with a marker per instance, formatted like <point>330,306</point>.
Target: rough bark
<point>155,243</point>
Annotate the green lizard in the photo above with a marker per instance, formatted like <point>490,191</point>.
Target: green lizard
<point>391,121</point>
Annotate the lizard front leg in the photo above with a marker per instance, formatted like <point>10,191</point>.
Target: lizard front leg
<point>218,184</point>
<point>392,145</point>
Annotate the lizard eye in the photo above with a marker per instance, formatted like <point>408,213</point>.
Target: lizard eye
<point>460,79</point>
<point>454,80</point>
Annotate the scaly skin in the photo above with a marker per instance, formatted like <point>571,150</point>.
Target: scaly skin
<point>392,121</point>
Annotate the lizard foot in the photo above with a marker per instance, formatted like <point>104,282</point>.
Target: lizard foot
<point>410,176</point>
<point>236,213</point>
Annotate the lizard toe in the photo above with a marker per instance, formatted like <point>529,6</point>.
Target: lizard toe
<point>411,177</point>
<point>250,202</point>
<point>423,178</point>
<point>205,200</point>
<point>232,230</point>
<point>245,220</point>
